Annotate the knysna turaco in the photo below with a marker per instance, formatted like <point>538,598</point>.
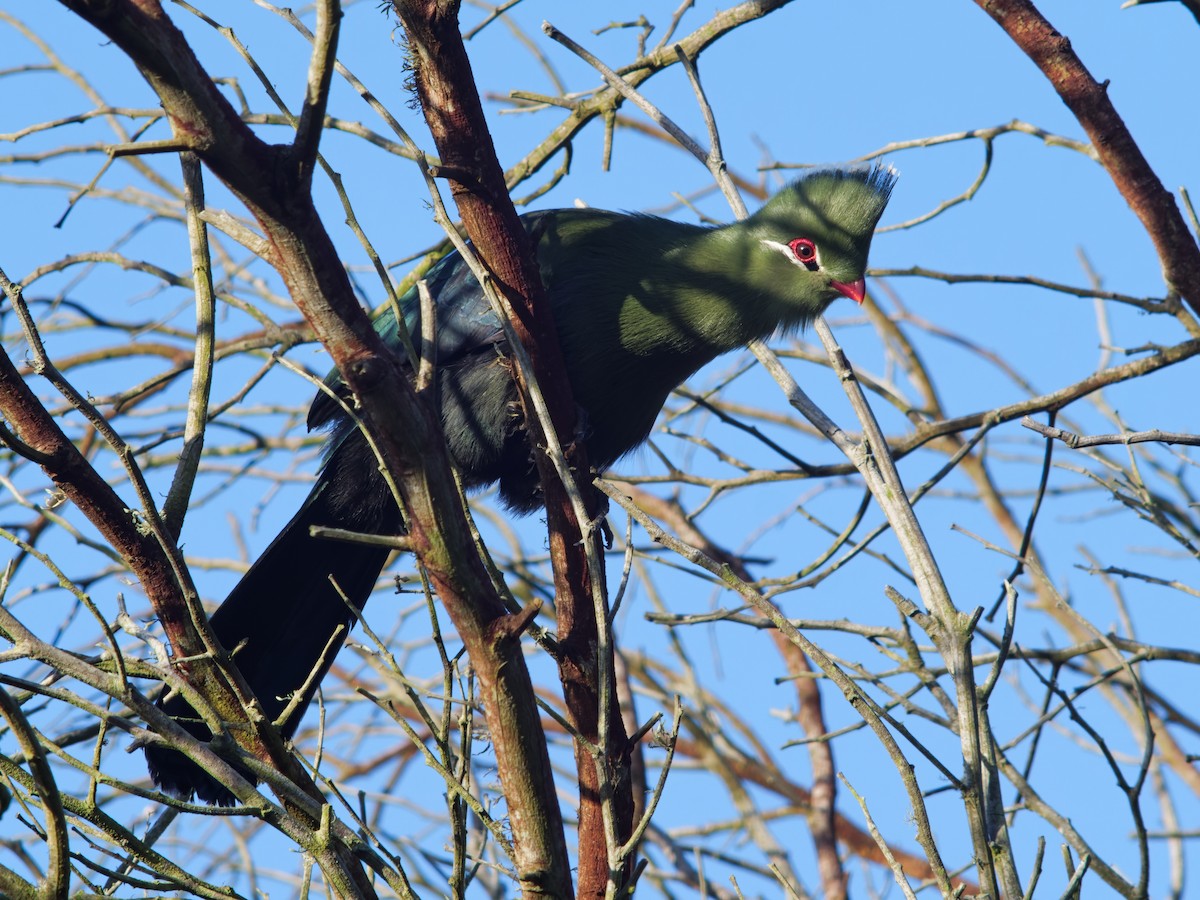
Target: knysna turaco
<point>640,303</point>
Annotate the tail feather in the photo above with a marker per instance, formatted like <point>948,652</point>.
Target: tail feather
<point>285,620</point>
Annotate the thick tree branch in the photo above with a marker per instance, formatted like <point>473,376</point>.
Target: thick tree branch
<point>455,116</point>
<point>1088,100</point>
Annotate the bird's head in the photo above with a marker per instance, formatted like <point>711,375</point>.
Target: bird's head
<point>813,236</point>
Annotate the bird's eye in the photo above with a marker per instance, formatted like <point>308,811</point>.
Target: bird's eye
<point>805,252</point>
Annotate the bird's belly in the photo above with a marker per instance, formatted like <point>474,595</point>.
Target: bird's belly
<point>618,405</point>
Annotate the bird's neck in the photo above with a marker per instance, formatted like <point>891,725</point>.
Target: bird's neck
<point>713,294</point>
<point>649,301</point>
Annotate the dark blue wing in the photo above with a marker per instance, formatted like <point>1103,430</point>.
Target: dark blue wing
<point>466,323</point>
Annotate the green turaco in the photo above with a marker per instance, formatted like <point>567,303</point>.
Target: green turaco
<point>640,303</point>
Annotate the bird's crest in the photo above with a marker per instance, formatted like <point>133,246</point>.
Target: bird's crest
<point>847,201</point>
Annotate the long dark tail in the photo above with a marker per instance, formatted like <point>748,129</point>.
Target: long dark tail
<point>285,612</point>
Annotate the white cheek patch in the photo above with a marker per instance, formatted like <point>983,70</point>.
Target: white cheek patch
<point>781,248</point>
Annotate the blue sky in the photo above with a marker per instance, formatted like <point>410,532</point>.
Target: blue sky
<point>815,83</point>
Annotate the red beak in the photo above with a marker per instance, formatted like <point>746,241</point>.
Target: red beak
<point>855,290</point>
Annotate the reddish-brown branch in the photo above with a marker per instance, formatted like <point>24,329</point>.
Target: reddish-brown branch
<point>88,491</point>
<point>1088,100</point>
<point>455,116</point>
<point>822,816</point>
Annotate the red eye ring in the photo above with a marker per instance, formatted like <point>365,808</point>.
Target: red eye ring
<point>805,252</point>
